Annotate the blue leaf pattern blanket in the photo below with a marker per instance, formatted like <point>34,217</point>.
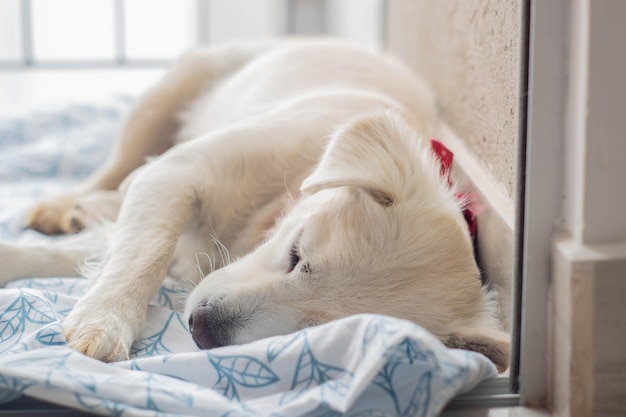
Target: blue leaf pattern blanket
<point>361,366</point>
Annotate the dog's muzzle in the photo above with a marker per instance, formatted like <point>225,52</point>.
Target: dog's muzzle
<point>210,326</point>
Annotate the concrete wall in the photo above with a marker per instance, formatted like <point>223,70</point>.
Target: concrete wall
<point>469,52</point>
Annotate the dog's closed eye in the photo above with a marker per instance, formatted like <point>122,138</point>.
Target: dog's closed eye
<point>294,256</point>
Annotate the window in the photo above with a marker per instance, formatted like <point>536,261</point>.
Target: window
<point>142,32</point>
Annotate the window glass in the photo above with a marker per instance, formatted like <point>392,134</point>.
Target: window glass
<point>73,30</point>
<point>159,29</point>
<point>10,27</point>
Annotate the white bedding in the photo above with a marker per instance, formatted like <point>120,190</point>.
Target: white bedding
<point>361,366</point>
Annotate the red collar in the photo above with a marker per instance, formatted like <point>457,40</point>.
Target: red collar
<point>445,157</point>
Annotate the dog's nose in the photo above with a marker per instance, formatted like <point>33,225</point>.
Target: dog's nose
<point>204,329</point>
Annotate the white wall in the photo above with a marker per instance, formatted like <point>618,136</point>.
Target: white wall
<point>592,247</point>
<point>594,122</point>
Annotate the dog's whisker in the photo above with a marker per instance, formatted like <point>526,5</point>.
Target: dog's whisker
<point>183,297</point>
<point>219,250</point>
<point>199,267</point>
<point>194,268</point>
<point>187,283</point>
<point>223,251</point>
<point>228,259</point>
<point>209,260</point>
<point>292,200</point>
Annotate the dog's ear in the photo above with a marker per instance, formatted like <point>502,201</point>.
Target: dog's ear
<point>374,153</point>
<point>494,347</point>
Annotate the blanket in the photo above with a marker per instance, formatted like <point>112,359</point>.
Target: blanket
<point>360,366</point>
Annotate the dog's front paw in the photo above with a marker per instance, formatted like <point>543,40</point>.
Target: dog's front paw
<point>58,215</point>
<point>98,333</point>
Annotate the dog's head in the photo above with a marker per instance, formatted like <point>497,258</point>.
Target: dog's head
<point>376,230</point>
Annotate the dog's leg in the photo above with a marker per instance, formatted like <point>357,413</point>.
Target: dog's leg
<point>59,258</point>
<point>106,321</point>
<point>189,181</point>
<point>150,130</point>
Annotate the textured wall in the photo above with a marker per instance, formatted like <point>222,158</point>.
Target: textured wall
<point>469,53</point>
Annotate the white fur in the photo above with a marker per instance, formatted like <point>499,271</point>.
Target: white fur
<point>272,152</point>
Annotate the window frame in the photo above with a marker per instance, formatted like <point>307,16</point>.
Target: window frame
<point>538,216</point>
<point>540,188</point>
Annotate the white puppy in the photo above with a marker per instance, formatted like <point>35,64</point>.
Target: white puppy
<point>302,159</point>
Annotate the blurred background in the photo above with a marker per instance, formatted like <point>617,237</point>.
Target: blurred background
<point>54,51</point>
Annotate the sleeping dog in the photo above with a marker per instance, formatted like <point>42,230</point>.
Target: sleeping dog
<point>290,173</point>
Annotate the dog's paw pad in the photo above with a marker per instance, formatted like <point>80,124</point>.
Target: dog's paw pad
<point>74,221</point>
<point>54,216</point>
